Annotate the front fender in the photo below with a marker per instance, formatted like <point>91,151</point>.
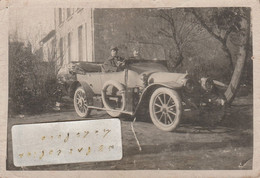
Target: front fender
<point>86,87</point>
<point>88,90</point>
<point>172,85</point>
<point>147,92</point>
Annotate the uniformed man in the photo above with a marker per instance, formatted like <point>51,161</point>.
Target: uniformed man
<point>114,63</point>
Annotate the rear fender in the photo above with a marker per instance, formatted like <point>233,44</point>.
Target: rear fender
<point>73,88</point>
<point>89,92</point>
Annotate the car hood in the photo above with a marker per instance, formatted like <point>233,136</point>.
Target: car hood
<point>162,77</point>
<point>144,66</point>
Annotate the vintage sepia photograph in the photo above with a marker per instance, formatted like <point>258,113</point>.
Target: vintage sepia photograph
<point>130,88</point>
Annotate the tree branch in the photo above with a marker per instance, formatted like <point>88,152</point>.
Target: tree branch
<point>203,23</point>
<point>219,38</point>
<point>226,35</point>
<point>165,33</point>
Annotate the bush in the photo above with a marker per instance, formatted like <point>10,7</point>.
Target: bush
<point>32,82</point>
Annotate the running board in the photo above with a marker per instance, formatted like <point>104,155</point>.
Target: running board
<point>113,110</point>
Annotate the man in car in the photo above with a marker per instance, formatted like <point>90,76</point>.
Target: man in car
<point>114,63</point>
<point>136,54</point>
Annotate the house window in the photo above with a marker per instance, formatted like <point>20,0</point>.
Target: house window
<point>80,43</point>
<point>60,15</point>
<point>68,12</point>
<point>69,47</point>
<point>61,51</point>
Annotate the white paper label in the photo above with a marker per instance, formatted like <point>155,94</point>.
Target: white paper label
<point>67,142</point>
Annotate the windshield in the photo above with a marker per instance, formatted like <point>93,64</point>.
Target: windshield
<point>140,67</point>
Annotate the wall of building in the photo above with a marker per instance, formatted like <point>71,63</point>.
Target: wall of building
<point>48,50</point>
<point>74,31</point>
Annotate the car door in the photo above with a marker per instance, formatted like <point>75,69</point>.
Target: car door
<point>93,79</point>
<point>116,76</point>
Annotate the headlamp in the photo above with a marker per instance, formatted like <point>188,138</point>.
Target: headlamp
<point>207,84</point>
<point>188,85</point>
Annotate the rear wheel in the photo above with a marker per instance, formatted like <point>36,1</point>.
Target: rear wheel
<point>165,109</point>
<point>113,97</point>
<point>80,103</point>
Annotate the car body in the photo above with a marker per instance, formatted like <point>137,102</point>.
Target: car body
<point>144,85</point>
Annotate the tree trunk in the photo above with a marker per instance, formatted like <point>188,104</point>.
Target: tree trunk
<point>237,74</point>
<point>225,48</point>
<point>236,77</point>
<point>179,61</point>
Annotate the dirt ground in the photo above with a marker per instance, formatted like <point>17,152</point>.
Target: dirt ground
<point>195,145</point>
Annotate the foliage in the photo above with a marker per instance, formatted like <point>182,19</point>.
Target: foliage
<point>222,24</point>
<point>31,81</point>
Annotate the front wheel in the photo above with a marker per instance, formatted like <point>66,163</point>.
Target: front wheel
<point>165,109</point>
<point>80,103</point>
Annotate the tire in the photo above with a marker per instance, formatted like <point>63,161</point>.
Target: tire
<point>119,87</point>
<point>165,109</point>
<point>80,102</point>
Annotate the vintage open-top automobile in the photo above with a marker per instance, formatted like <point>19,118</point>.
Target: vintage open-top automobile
<point>142,83</point>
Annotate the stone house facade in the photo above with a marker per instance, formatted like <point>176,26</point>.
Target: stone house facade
<point>74,35</point>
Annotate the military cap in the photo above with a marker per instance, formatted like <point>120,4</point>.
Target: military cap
<point>113,48</point>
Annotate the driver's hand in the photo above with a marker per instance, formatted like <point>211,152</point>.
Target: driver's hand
<point>120,63</point>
